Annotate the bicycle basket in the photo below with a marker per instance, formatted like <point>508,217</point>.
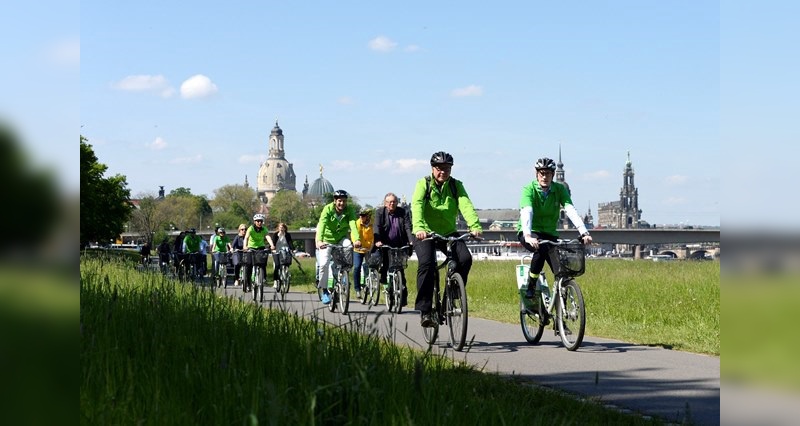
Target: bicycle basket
<point>572,259</point>
<point>285,258</point>
<point>236,258</point>
<point>223,258</point>
<point>344,257</point>
<point>259,257</point>
<point>374,260</point>
<point>247,258</point>
<point>398,259</point>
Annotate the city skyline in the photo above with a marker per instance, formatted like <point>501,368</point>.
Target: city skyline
<point>371,91</point>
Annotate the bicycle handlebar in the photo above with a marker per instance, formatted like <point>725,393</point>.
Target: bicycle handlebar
<point>435,236</point>
<point>561,242</point>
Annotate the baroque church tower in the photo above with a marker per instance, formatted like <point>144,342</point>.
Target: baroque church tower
<point>625,213</point>
<point>276,174</point>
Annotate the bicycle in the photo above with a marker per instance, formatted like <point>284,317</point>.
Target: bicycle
<point>371,291</point>
<point>257,258</point>
<point>340,268</point>
<point>452,308</point>
<point>222,269</point>
<point>393,289</point>
<point>163,263</point>
<point>283,258</point>
<point>189,268</point>
<point>565,304</point>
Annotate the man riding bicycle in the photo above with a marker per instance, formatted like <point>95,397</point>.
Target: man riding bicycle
<point>392,228</point>
<point>191,244</point>
<point>435,205</point>
<point>220,243</point>
<point>335,222</point>
<point>540,208</point>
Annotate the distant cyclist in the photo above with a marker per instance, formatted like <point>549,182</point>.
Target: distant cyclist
<point>392,229</point>
<point>191,244</point>
<point>367,235</point>
<point>435,205</point>
<point>164,249</point>
<point>238,244</point>
<point>540,208</point>
<point>336,222</point>
<point>255,238</point>
<point>277,241</point>
<point>220,243</point>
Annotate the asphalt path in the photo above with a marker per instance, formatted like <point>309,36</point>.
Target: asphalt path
<point>673,385</point>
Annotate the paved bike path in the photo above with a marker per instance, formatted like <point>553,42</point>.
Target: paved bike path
<point>673,385</point>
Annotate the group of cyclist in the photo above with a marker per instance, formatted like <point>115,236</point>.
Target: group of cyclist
<point>437,200</point>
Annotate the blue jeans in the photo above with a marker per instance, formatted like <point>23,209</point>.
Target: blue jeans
<point>358,261</point>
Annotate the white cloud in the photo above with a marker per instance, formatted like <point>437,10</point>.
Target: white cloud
<point>145,83</point>
<point>198,86</point>
<point>187,160</point>
<point>382,44</point>
<point>471,90</point>
<point>401,165</point>
<point>674,201</point>
<point>251,159</point>
<point>64,53</point>
<point>600,174</point>
<point>158,144</point>
<point>345,100</point>
<point>342,165</point>
<point>411,48</point>
<point>677,180</point>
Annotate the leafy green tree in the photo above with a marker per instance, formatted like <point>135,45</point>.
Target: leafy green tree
<point>181,211</point>
<point>201,211</point>
<point>287,207</point>
<point>149,218</point>
<point>105,201</point>
<point>30,196</point>
<point>233,204</point>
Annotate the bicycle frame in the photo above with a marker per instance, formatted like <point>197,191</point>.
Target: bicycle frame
<point>340,272</point>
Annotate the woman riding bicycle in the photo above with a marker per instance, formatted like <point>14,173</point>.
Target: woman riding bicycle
<point>335,222</point>
<point>279,240</point>
<point>255,238</point>
<point>435,205</point>
<point>540,208</point>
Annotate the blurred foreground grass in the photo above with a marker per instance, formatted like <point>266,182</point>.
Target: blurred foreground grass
<point>39,313</point>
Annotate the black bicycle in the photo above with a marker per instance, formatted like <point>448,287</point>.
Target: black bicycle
<point>451,306</point>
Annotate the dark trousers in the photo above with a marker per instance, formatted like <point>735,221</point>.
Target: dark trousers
<point>544,254</point>
<point>426,255</point>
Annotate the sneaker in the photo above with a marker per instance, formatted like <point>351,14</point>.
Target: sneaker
<point>275,285</point>
<point>426,320</point>
<point>326,298</point>
<point>358,294</point>
<point>236,283</point>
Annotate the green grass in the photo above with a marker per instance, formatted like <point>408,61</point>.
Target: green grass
<point>674,305</point>
<point>157,352</point>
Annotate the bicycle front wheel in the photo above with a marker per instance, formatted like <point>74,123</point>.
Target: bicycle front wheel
<point>571,317</point>
<point>456,311</point>
<point>258,286</point>
<point>531,322</point>
<point>285,276</point>
<point>431,333</point>
<point>397,291</point>
<point>374,288</point>
<point>344,292</point>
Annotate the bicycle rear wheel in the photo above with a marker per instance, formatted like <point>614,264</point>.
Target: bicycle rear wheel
<point>571,316</point>
<point>430,334</point>
<point>374,287</point>
<point>456,311</point>
<point>531,322</point>
<point>344,292</point>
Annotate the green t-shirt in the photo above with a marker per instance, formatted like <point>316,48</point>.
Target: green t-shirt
<point>220,243</point>
<point>192,243</point>
<point>257,238</point>
<point>546,209</point>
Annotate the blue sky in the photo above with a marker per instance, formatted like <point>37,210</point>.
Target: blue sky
<point>185,94</point>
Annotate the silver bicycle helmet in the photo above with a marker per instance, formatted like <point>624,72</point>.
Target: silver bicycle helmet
<point>258,216</point>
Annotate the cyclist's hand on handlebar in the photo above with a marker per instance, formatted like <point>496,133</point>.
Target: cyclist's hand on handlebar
<point>534,242</point>
<point>357,244</point>
<point>320,244</point>
<point>477,234</point>
<point>421,235</point>
<point>378,244</point>
<point>586,239</point>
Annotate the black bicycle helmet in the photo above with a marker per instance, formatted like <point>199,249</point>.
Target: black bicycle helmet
<point>341,193</point>
<point>441,157</point>
<point>545,163</point>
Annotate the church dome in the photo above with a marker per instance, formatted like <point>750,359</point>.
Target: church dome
<point>320,187</point>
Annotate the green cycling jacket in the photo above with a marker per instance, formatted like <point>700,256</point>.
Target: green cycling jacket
<point>439,213</point>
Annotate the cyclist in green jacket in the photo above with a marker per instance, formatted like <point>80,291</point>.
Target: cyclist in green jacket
<point>337,220</point>
<point>540,208</point>
<point>255,238</point>
<point>435,205</point>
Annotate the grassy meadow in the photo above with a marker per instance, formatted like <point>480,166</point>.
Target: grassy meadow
<point>154,351</point>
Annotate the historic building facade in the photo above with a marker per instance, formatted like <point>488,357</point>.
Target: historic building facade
<point>624,213</point>
<point>276,173</point>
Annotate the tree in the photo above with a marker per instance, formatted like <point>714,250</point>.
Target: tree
<point>105,202</point>
<point>150,217</point>
<point>181,211</point>
<point>233,204</point>
<point>289,208</point>
<point>30,197</point>
<point>201,210</point>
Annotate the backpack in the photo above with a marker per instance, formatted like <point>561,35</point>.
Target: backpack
<point>453,189</point>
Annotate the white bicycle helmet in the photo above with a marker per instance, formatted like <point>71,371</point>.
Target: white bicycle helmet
<point>258,216</point>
